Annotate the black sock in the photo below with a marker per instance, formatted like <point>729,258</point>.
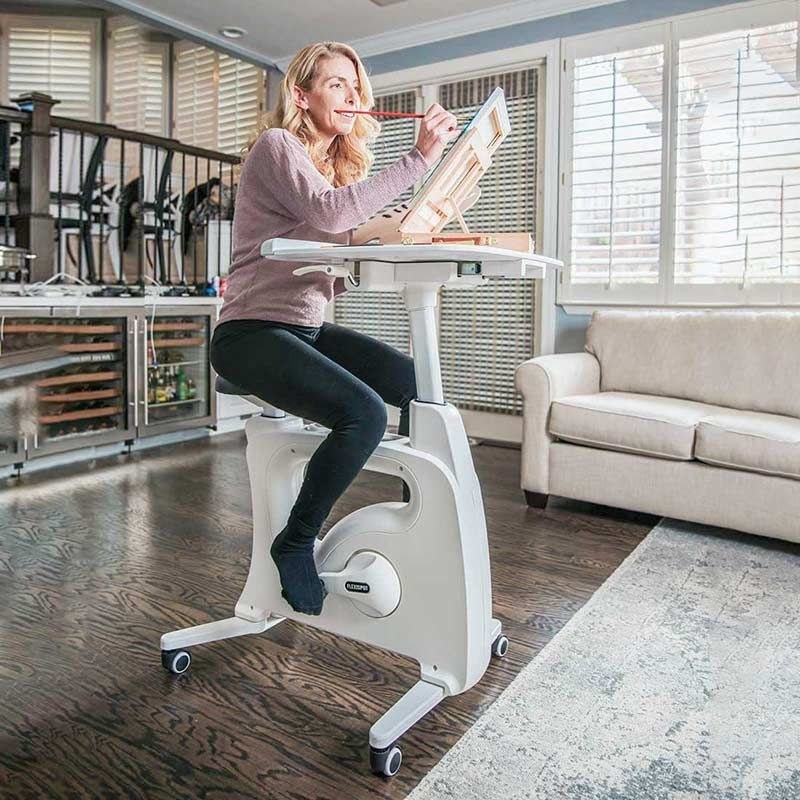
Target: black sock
<point>293,554</point>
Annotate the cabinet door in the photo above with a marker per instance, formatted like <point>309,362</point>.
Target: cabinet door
<point>79,396</point>
<point>176,388</point>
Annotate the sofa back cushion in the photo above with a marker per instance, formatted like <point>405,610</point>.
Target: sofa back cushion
<point>741,359</point>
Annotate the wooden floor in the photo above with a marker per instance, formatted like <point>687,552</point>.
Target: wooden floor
<point>96,563</point>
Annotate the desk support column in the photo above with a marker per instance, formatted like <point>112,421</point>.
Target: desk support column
<point>421,302</point>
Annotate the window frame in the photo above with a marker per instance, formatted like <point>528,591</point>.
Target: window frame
<point>546,56</point>
<point>587,47</point>
<point>581,298</point>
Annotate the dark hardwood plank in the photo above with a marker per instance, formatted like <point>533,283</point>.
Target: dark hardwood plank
<point>97,562</point>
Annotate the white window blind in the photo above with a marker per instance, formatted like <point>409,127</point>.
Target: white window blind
<point>487,331</point>
<point>240,102</point>
<point>737,211</point>
<point>382,315</point>
<point>195,96</point>
<point>137,68</point>
<point>616,167</point>
<point>218,99</point>
<point>57,59</point>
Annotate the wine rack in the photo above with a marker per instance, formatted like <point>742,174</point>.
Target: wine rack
<point>113,375</point>
<point>87,395</point>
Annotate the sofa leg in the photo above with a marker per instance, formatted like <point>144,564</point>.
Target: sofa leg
<point>536,500</point>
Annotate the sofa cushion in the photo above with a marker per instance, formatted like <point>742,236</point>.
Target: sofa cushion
<point>751,441</point>
<point>631,423</point>
<point>738,359</point>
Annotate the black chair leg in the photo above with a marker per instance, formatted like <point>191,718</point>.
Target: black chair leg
<point>536,500</point>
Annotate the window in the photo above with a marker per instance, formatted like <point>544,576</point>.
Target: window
<point>682,178</point>
<point>240,102</point>
<point>616,167</point>
<point>137,73</point>
<point>737,211</point>
<point>218,99</point>
<point>195,96</point>
<point>57,57</point>
<point>486,333</point>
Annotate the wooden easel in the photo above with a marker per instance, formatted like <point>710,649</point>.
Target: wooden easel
<point>451,191</point>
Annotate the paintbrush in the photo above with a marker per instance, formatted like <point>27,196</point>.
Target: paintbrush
<point>380,113</point>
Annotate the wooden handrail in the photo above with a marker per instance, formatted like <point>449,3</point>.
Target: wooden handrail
<point>8,114</point>
<point>162,142</point>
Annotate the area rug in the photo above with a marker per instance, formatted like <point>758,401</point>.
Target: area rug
<point>679,679</point>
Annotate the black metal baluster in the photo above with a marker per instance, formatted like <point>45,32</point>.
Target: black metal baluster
<point>140,195</point>
<point>81,186</point>
<point>158,220</point>
<point>194,205</point>
<point>7,178</point>
<point>219,225</point>
<point>230,232</point>
<point>171,228</point>
<point>59,198</point>
<point>125,209</point>
<point>102,210</point>
<point>184,219</point>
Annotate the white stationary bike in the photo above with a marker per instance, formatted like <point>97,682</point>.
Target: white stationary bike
<point>409,577</point>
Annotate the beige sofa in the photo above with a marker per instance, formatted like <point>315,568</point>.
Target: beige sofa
<point>686,414</point>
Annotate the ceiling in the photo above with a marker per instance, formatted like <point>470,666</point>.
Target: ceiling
<point>276,29</point>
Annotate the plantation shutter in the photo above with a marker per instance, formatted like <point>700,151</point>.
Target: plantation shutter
<point>616,164</point>
<point>55,59</point>
<point>196,96</point>
<point>737,211</point>
<point>240,102</point>
<point>137,99</point>
<point>487,331</point>
<point>382,315</point>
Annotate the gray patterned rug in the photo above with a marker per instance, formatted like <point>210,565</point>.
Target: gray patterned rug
<point>678,680</point>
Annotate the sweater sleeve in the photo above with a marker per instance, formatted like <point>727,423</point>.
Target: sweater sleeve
<point>299,187</point>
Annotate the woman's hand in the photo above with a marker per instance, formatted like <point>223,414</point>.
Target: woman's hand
<point>438,127</point>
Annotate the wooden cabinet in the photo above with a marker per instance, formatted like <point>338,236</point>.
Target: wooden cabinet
<point>121,373</point>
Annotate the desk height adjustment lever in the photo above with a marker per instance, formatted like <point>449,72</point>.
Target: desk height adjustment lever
<point>337,271</point>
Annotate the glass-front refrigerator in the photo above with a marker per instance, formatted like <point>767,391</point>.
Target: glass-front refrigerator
<point>81,393</point>
<point>176,390</point>
<point>20,368</point>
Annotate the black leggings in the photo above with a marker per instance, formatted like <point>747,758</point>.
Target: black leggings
<point>331,375</point>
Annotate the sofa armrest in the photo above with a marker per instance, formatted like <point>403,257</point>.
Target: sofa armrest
<point>540,381</point>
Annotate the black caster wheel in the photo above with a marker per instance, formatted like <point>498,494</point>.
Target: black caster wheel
<point>385,762</point>
<point>500,646</point>
<point>176,661</point>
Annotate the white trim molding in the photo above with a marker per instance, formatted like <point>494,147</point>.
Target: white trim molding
<point>463,25</point>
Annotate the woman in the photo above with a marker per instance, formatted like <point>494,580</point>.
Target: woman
<point>303,178</point>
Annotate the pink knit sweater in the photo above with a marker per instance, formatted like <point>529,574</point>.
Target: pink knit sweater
<point>282,194</point>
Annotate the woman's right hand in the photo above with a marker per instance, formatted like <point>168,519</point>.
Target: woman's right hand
<point>438,127</point>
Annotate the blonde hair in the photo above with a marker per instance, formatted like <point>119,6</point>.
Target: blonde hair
<point>349,158</point>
